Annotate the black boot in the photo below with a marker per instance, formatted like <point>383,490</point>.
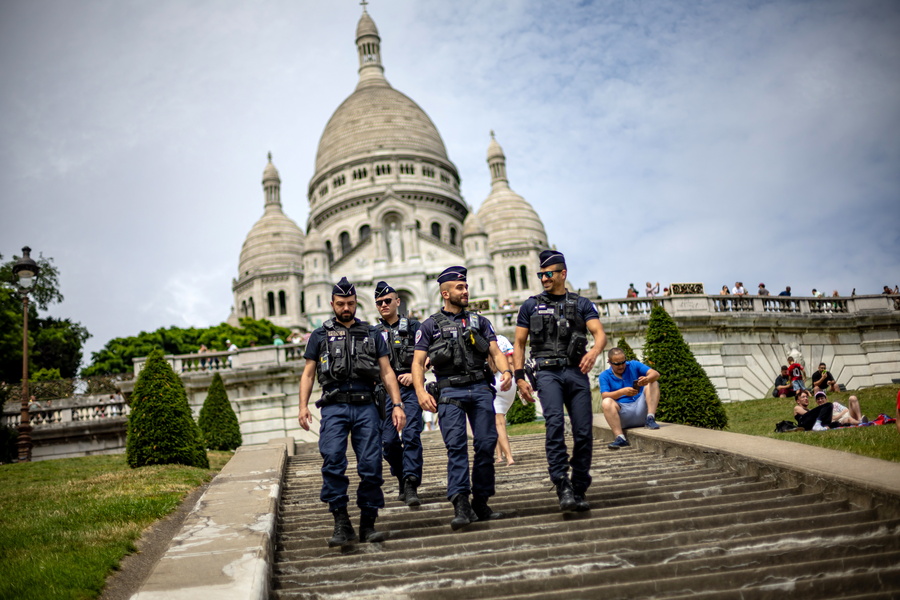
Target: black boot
<point>367,531</point>
<point>581,503</point>
<point>343,529</point>
<point>483,511</point>
<point>463,514</point>
<point>402,495</point>
<point>411,484</point>
<point>566,495</point>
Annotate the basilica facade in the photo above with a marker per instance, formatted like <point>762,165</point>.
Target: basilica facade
<point>385,203</point>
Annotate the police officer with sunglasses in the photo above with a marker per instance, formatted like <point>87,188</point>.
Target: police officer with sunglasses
<point>558,324</point>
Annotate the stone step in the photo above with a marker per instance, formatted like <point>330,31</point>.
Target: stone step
<point>659,526</point>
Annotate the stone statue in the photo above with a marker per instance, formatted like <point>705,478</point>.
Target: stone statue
<point>394,243</point>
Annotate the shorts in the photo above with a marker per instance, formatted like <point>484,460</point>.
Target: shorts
<point>633,414</point>
<point>797,384</point>
<point>503,400</point>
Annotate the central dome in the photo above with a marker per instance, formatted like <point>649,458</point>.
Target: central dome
<point>377,119</point>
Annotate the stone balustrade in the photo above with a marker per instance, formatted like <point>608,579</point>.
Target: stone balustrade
<point>76,426</point>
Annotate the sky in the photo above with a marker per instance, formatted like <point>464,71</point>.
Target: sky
<point>670,141</point>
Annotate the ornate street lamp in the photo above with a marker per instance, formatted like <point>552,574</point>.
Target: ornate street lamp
<point>26,270</point>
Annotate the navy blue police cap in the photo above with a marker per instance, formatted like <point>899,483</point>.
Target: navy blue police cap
<point>343,288</point>
<point>452,274</point>
<point>383,289</point>
<point>552,257</point>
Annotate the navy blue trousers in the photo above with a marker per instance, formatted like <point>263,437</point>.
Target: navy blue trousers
<point>362,423</point>
<point>567,387</point>
<point>477,404</point>
<point>404,456</point>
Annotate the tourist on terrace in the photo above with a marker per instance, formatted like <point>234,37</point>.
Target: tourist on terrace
<point>738,289</point>
<point>625,405</point>
<point>632,292</point>
<point>824,380</point>
<point>817,419</point>
<point>783,387</point>
<point>652,290</point>
<point>798,374</point>
<point>724,291</point>
<point>840,413</point>
<point>786,292</point>
<point>816,293</point>
<point>762,290</point>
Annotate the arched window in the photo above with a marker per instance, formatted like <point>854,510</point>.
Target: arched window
<point>436,230</point>
<point>271,298</point>
<point>302,303</point>
<point>329,251</point>
<point>345,243</point>
<point>524,279</point>
<point>282,302</point>
<point>252,308</point>
<point>364,232</point>
<point>453,235</point>
<point>512,279</point>
<point>243,308</point>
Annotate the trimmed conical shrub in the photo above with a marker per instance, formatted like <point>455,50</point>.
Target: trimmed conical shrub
<point>161,429</point>
<point>218,423</point>
<point>519,413</point>
<point>624,347</point>
<point>686,395</point>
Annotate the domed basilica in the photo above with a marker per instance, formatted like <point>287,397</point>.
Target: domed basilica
<point>385,204</point>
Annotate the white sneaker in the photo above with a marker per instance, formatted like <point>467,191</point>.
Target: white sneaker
<point>819,427</point>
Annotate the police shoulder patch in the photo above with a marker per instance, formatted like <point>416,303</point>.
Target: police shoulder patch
<point>418,336</point>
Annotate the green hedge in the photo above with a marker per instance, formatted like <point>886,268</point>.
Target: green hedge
<point>518,413</point>
<point>218,423</point>
<point>161,429</point>
<point>627,349</point>
<point>686,395</point>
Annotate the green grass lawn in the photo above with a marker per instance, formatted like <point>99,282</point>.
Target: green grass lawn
<point>65,524</point>
<point>525,428</point>
<point>758,417</point>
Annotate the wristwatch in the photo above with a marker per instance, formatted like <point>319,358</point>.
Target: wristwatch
<point>396,405</point>
<point>507,371</point>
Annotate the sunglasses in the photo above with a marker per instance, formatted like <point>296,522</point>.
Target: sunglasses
<point>385,301</point>
<point>618,364</point>
<point>547,274</point>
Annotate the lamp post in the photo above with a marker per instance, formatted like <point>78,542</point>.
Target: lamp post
<point>26,270</point>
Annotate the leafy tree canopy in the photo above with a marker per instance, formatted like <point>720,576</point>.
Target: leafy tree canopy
<point>627,349</point>
<point>54,343</point>
<point>117,355</point>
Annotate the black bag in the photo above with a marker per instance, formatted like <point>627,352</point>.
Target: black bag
<point>786,426</point>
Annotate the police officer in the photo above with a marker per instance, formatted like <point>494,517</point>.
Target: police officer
<point>558,323</point>
<point>458,343</point>
<point>350,357</point>
<point>404,456</point>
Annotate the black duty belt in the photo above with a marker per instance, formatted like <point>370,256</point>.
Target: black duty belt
<point>459,381</point>
<point>550,363</point>
<point>346,398</point>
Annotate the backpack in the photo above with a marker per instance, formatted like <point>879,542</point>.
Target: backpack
<point>785,426</point>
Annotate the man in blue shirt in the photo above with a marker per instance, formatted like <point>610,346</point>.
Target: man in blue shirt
<point>350,357</point>
<point>630,395</point>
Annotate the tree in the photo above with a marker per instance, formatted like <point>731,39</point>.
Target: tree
<point>161,429</point>
<point>117,355</point>
<point>218,423</point>
<point>624,347</point>
<point>54,343</point>
<point>686,395</point>
<point>519,413</point>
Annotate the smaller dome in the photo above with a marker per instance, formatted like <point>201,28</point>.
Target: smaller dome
<point>510,220</point>
<point>314,242</point>
<point>494,149</point>
<point>366,26</point>
<point>274,243</point>
<point>270,173</point>
<point>472,225</point>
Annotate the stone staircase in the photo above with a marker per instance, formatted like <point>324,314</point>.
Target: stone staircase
<point>665,527</point>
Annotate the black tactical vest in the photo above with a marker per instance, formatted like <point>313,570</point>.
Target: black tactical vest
<point>347,353</point>
<point>401,346</point>
<point>458,350</point>
<point>557,329</point>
